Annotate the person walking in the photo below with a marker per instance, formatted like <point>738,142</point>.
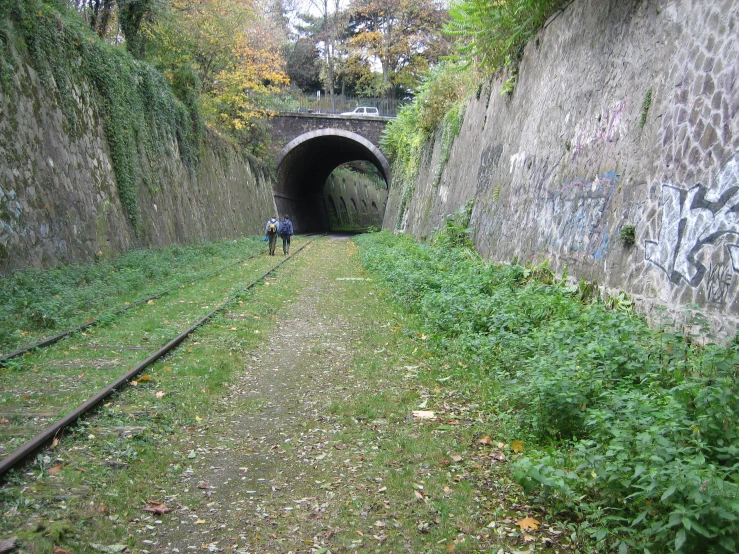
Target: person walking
<point>270,231</point>
<point>286,232</point>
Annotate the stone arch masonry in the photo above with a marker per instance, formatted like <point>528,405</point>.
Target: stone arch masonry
<point>625,113</point>
<point>285,127</point>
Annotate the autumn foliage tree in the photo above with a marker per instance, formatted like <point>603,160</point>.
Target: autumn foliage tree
<point>231,48</point>
<point>404,36</point>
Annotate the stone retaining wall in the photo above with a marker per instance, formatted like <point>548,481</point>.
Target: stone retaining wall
<point>625,113</point>
<point>58,195</point>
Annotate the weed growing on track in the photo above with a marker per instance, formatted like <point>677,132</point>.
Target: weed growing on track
<point>334,457</point>
<point>140,445</point>
<point>38,303</point>
<point>631,431</point>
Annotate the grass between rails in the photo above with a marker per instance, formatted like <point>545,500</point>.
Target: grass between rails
<point>286,425</point>
<point>58,378</point>
<point>630,432</point>
<point>35,304</point>
<point>131,449</point>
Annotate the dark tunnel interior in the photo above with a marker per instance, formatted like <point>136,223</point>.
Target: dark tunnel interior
<point>303,167</point>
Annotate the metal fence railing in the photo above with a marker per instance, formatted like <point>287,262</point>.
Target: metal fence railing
<point>297,101</point>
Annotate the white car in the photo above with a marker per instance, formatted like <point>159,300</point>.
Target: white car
<point>363,110</point>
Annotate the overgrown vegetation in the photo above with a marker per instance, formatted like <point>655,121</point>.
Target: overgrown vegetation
<point>629,431</point>
<point>139,110</point>
<point>645,108</point>
<point>440,101</point>
<point>627,235</point>
<point>36,303</point>
<point>490,38</point>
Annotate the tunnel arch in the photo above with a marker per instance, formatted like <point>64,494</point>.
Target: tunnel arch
<point>304,164</point>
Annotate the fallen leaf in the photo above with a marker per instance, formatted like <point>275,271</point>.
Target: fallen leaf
<point>56,469</point>
<point>58,550</point>
<point>486,440</point>
<point>424,414</point>
<point>7,545</point>
<point>144,378</point>
<point>110,548</point>
<point>456,458</point>
<point>498,456</point>
<point>199,521</point>
<point>160,394</point>
<point>157,507</point>
<point>383,489</point>
<point>150,302</point>
<point>54,443</point>
<point>528,523</point>
<point>451,547</point>
<point>4,421</point>
<point>517,447</point>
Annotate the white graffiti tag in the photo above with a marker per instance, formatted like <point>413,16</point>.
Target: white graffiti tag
<point>695,219</point>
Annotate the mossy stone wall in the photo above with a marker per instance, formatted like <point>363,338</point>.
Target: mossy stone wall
<point>61,185</point>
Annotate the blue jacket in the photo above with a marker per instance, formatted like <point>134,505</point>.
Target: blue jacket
<point>286,227</point>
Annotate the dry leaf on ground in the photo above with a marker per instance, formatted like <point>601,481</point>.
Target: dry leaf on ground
<point>7,545</point>
<point>517,446</point>
<point>424,414</point>
<point>528,523</point>
<point>157,507</point>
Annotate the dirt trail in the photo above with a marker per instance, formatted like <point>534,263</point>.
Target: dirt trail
<point>261,484</point>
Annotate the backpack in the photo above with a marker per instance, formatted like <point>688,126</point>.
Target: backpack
<point>272,228</point>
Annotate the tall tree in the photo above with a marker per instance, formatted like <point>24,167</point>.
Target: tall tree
<point>302,57</point>
<point>327,26</point>
<point>232,47</point>
<point>403,36</point>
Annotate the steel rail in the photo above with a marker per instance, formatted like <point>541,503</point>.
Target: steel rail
<point>51,340</point>
<point>18,456</point>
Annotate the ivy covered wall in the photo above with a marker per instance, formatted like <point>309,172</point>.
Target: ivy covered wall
<point>97,154</point>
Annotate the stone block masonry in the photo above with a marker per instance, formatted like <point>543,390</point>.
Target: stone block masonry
<point>58,193</point>
<point>625,113</point>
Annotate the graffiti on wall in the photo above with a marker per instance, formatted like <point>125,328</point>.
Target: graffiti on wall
<point>698,241</point>
<point>577,212</point>
<point>604,126</point>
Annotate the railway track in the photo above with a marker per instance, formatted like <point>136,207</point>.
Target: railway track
<point>54,338</point>
<point>51,386</point>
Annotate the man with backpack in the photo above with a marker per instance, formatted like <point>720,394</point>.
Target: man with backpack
<point>286,232</point>
<point>270,232</point>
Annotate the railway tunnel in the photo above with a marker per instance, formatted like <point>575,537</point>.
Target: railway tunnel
<point>304,165</point>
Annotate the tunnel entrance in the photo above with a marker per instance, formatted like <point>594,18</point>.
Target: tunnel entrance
<point>303,168</point>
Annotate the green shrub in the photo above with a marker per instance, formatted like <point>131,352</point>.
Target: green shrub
<point>632,431</point>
